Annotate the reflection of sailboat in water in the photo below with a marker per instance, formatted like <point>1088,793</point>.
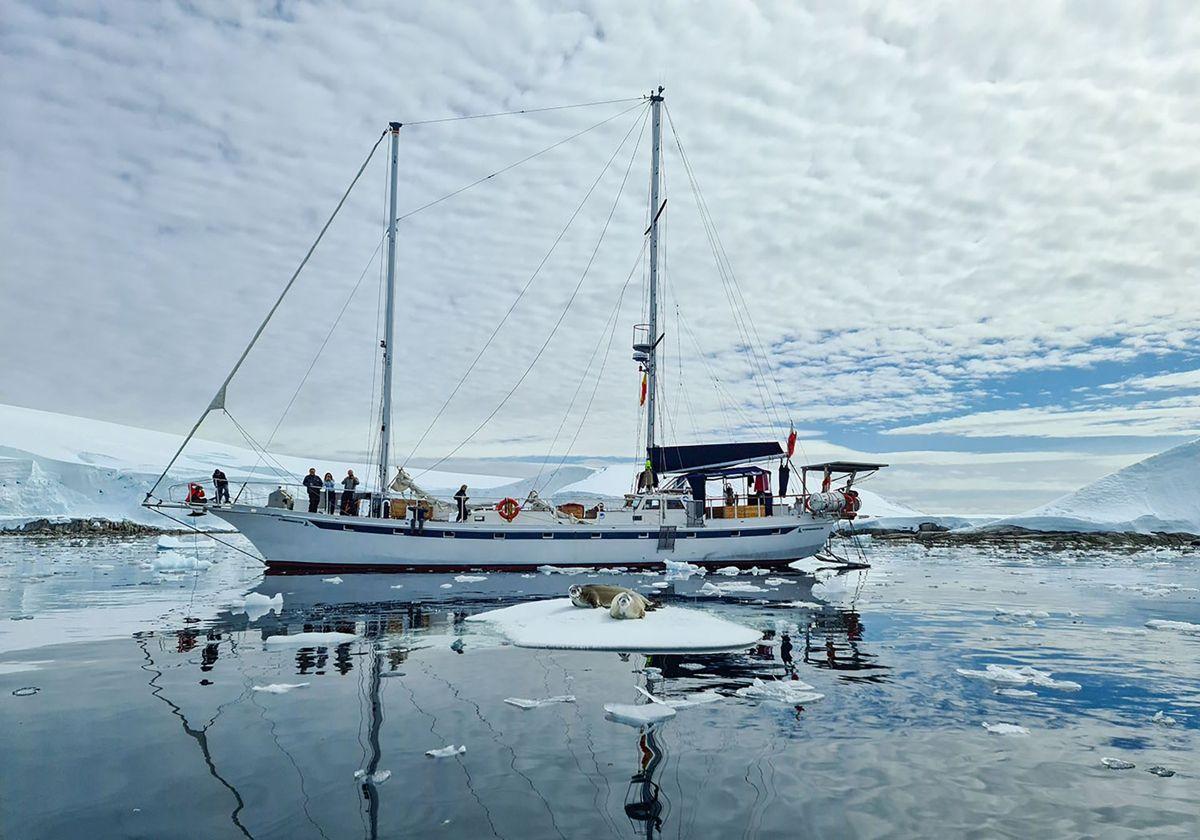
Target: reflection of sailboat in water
<point>833,641</point>
<point>644,800</point>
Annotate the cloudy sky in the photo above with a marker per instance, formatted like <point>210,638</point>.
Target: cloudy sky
<point>965,235</point>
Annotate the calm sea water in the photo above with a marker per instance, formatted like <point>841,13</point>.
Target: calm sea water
<point>128,705</point>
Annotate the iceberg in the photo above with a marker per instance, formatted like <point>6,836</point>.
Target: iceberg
<point>559,625</point>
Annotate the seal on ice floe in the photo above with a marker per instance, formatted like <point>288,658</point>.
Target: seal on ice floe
<point>598,595</point>
<point>628,605</point>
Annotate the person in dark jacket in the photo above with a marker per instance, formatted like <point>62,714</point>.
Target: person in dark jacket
<point>349,506</point>
<point>221,485</point>
<point>330,494</point>
<point>314,485</point>
<point>461,497</point>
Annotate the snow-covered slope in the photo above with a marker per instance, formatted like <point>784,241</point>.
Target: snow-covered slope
<point>57,465</point>
<point>1161,493</point>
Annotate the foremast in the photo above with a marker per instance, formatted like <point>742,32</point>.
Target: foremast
<point>385,421</point>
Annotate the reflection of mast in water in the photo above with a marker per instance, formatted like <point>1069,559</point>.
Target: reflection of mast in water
<point>201,735</point>
<point>370,789</point>
<point>643,802</point>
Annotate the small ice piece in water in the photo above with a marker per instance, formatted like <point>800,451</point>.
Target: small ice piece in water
<point>692,666</point>
<point>1022,675</point>
<point>26,691</point>
<point>358,774</point>
<point>1015,692</point>
<point>780,691</point>
<point>700,698</point>
<point>682,570</point>
<point>728,571</point>
<point>1178,626</point>
<point>1160,771</point>
<point>255,604</point>
<point>777,581</point>
<point>728,588</point>
<point>447,751</point>
<point>660,584</point>
<point>171,543</point>
<point>381,776</point>
<point>447,586</point>
<point>1162,718</point>
<point>1019,616</point>
<point>1117,764</point>
<point>564,570</point>
<point>279,688</point>
<point>643,714</point>
<point>469,578</point>
<point>1005,728</point>
<point>754,570</point>
<point>522,703</point>
<point>652,672</point>
<point>812,605</point>
<point>332,580</point>
<point>105,567</point>
<point>311,639</point>
<point>398,586</point>
<point>173,561</point>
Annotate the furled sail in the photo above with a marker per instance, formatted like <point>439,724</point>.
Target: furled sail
<point>672,459</point>
<point>403,483</point>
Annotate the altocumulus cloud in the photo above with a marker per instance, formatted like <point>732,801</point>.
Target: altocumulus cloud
<point>920,202</point>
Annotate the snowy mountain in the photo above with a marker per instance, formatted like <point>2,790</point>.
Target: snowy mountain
<point>60,466</point>
<point>1161,493</point>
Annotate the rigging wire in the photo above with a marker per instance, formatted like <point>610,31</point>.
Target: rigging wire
<point>566,309</point>
<point>514,165</point>
<point>219,398</point>
<point>537,271</point>
<point>525,111</point>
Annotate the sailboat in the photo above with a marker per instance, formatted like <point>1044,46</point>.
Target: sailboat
<point>669,516</point>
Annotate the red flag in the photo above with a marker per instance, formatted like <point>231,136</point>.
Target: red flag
<point>791,447</point>
<point>642,401</point>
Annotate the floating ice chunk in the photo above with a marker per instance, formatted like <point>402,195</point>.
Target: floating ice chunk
<point>812,605</point>
<point>1162,772</point>
<point>279,688</point>
<point>256,605</point>
<point>447,586</point>
<point>30,690</point>
<point>332,580</point>
<point>173,561</point>
<point>1126,631</point>
<point>447,751</point>
<point>1015,692</point>
<point>378,777</point>
<point>1018,616</point>
<point>1178,626</point>
<point>780,691</point>
<point>168,542</point>
<point>557,624</point>
<point>522,703</point>
<point>469,578</point>
<point>1162,718</point>
<point>311,639</point>
<point>700,698</point>
<point>1005,728</point>
<point>1022,675</point>
<point>565,570</point>
<point>1117,764</point>
<point>660,584</point>
<point>398,586</point>
<point>682,570</point>
<point>754,570</point>
<point>728,571</point>
<point>104,567</point>
<point>777,581</point>
<point>643,714</point>
<point>719,589</point>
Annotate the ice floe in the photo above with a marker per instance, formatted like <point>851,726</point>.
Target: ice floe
<point>558,624</point>
<point>780,691</point>
<point>733,587</point>
<point>1019,675</point>
<point>777,581</point>
<point>699,698</point>
<point>447,751</point>
<point>255,604</point>
<point>469,578</point>
<point>1162,718</point>
<point>167,542</point>
<point>641,714</point>
<point>1184,627</point>
<point>1117,764</point>
<point>522,703</point>
<point>728,571</point>
<point>311,639</point>
<point>279,688</point>
<point>565,570</point>
<point>377,778</point>
<point>1005,728</point>
<point>331,580</point>
<point>1017,616</point>
<point>174,561</point>
<point>681,569</point>
<point>1161,772</point>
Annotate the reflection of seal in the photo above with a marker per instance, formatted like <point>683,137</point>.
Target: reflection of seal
<point>598,595</point>
<point>628,605</point>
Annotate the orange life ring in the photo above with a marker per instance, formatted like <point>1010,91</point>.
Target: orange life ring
<point>508,508</point>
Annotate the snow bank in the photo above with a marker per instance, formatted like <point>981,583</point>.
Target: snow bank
<point>1160,493</point>
<point>558,624</point>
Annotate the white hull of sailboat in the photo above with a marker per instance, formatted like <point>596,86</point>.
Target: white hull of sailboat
<point>290,540</point>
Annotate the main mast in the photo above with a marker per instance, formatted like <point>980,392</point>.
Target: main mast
<point>656,100</point>
<point>385,422</point>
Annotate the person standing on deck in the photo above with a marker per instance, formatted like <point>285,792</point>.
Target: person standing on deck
<point>330,494</point>
<point>348,499</point>
<point>461,497</point>
<point>312,483</point>
<point>221,486</point>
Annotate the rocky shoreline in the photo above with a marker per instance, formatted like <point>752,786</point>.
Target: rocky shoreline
<point>1010,536</point>
<point>86,528</point>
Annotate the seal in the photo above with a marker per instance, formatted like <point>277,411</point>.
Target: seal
<point>598,595</point>
<point>628,605</point>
